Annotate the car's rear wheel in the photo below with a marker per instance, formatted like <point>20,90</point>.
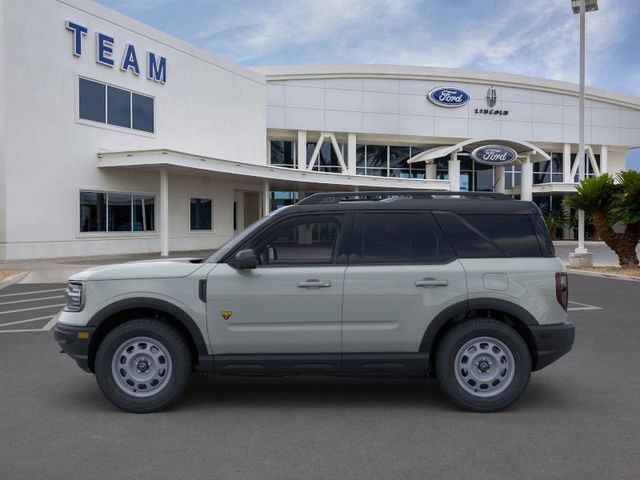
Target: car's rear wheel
<point>143,365</point>
<point>483,365</point>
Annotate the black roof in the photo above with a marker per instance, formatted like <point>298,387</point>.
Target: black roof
<point>458,202</point>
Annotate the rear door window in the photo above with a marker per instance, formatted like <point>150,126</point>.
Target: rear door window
<point>398,238</point>
<point>514,234</point>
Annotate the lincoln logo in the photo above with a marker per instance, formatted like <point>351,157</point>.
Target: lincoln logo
<point>448,97</point>
<point>494,155</point>
<point>492,97</point>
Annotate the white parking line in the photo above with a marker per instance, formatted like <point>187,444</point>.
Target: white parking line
<point>34,291</point>
<point>583,306</point>
<point>33,308</point>
<point>32,300</point>
<point>26,321</point>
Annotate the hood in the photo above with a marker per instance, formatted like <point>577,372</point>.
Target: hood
<point>173,268</point>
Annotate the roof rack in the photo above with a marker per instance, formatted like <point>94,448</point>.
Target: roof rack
<point>337,197</point>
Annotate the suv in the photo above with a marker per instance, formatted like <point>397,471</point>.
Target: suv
<point>461,286</point>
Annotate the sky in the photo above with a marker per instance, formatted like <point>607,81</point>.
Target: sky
<point>529,37</point>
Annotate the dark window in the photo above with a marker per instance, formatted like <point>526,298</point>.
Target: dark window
<point>399,238</point>
<point>142,113</point>
<point>119,212</point>
<point>143,213</point>
<point>544,239</point>
<point>93,212</point>
<point>514,234</point>
<point>467,241</point>
<point>92,101</point>
<point>118,107</point>
<point>116,212</point>
<point>304,241</point>
<point>201,214</point>
<point>283,153</point>
<point>115,106</point>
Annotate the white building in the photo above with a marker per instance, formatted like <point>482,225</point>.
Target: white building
<point>118,138</point>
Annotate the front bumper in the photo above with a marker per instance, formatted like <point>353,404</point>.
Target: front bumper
<point>74,341</point>
<point>552,342</point>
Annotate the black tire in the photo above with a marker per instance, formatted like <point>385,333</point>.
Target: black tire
<point>451,356</point>
<point>174,357</point>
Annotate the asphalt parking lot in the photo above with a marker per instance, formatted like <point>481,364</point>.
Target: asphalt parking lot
<point>579,419</point>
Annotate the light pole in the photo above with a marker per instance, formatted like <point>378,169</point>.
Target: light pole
<point>581,7</point>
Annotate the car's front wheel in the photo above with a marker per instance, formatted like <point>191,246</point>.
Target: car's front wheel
<point>143,365</point>
<point>483,365</point>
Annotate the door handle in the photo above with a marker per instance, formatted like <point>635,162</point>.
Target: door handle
<point>432,282</point>
<point>313,283</point>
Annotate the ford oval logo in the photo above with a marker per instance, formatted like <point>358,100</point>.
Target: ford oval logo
<point>494,155</point>
<point>448,97</point>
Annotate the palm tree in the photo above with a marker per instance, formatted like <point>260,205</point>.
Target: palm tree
<point>609,202</point>
<point>555,220</point>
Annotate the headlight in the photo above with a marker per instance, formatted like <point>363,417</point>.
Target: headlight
<point>74,297</point>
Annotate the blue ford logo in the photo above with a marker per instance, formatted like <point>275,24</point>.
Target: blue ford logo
<point>448,96</point>
<point>494,155</point>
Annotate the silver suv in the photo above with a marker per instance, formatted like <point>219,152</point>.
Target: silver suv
<point>461,286</point>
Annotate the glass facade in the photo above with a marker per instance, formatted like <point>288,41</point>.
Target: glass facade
<point>115,106</point>
<point>548,171</point>
<point>389,161</point>
<point>116,212</point>
<point>327,160</point>
<point>283,153</point>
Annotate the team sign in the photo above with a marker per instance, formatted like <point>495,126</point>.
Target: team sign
<point>156,64</point>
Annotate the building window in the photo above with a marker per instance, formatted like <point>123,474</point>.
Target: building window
<point>512,176</point>
<point>116,212</point>
<point>283,153</point>
<point>548,171</point>
<point>389,161</point>
<point>201,213</point>
<point>327,160</point>
<point>111,105</point>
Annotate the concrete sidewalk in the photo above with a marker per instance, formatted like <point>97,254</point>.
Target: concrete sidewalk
<point>58,270</point>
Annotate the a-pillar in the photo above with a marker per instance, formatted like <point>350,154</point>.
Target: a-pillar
<point>526,180</point>
<point>454,173</point>
<point>164,212</point>
<point>498,172</point>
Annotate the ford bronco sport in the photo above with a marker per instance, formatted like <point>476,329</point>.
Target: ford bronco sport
<point>461,286</point>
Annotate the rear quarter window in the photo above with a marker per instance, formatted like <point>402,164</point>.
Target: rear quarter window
<point>493,235</point>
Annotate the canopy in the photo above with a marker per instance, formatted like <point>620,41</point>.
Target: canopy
<point>522,148</point>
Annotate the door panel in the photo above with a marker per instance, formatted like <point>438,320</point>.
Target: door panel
<point>385,311</point>
<point>402,273</point>
<point>270,313</point>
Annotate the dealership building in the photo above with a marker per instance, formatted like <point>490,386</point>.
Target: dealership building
<point>118,138</point>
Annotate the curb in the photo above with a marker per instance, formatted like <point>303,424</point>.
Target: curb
<point>12,279</point>
<point>612,276</point>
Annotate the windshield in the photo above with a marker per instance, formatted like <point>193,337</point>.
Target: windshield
<point>230,244</point>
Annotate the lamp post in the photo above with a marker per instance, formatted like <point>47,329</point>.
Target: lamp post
<point>580,7</point>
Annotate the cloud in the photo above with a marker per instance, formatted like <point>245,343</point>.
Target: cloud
<point>533,37</point>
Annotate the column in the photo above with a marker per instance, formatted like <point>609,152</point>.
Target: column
<point>498,174</point>
<point>302,150</point>
<point>266,199</point>
<point>526,180</point>
<point>566,164</point>
<point>164,212</point>
<point>351,153</point>
<point>454,173</point>
<point>432,170</point>
<point>604,159</point>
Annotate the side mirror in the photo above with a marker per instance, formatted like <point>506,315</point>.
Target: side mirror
<point>246,260</point>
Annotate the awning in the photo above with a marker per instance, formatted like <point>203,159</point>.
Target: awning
<point>522,148</point>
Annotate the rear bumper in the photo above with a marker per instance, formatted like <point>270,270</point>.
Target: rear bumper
<point>74,345</point>
<point>552,342</point>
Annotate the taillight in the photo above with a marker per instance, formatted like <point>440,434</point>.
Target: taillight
<point>562,289</point>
